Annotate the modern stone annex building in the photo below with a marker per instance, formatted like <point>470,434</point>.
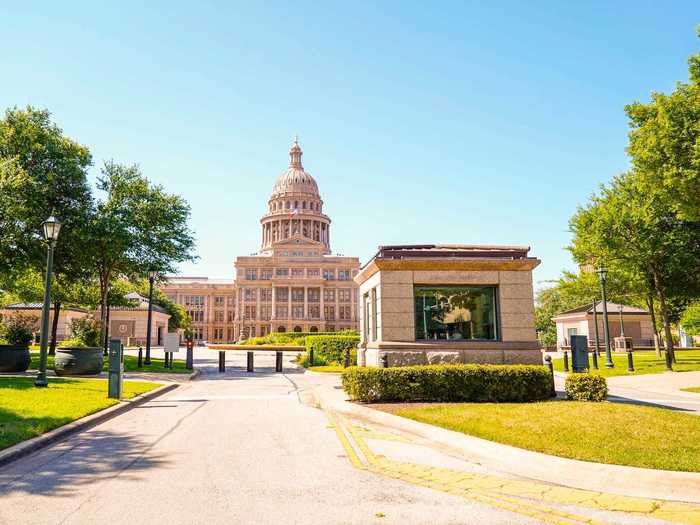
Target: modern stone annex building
<point>293,283</point>
<point>448,304</point>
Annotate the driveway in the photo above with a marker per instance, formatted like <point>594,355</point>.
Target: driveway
<point>226,448</point>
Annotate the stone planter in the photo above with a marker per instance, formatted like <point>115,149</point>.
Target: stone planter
<point>14,358</point>
<point>78,361</point>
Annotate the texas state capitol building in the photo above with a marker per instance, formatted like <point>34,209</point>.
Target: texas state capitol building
<point>293,283</point>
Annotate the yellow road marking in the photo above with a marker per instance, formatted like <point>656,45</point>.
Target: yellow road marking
<point>432,479</point>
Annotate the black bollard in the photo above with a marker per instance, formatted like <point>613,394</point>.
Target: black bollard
<point>311,357</point>
<point>278,361</point>
<point>384,358</point>
<point>630,361</point>
<point>140,363</point>
<point>189,360</point>
<point>566,361</point>
<point>550,367</point>
<point>222,361</point>
<point>595,360</point>
<point>250,362</point>
<point>346,359</point>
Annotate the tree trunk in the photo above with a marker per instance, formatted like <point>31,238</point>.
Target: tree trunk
<point>54,327</point>
<point>664,317</point>
<point>650,305</point>
<point>104,293</point>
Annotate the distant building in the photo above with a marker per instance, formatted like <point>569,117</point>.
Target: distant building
<point>294,283</point>
<point>128,323</point>
<point>579,321</point>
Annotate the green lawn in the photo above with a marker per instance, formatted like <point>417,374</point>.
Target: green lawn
<point>27,411</point>
<point>619,434</point>
<point>327,369</point>
<point>645,362</point>
<point>130,365</point>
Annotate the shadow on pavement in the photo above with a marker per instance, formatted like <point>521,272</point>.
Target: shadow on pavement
<point>100,454</point>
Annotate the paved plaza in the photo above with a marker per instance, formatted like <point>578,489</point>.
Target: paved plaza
<point>241,448</point>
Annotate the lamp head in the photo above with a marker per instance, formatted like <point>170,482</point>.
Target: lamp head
<point>51,226</point>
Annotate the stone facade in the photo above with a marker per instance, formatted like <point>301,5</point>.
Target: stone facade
<point>388,317</point>
<point>293,283</point>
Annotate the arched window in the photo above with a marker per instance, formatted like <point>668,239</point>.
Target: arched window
<point>297,328</point>
<point>281,329</point>
<point>286,205</point>
<point>296,204</point>
<point>303,205</point>
<point>313,329</point>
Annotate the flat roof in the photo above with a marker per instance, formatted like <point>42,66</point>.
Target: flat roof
<point>450,251</point>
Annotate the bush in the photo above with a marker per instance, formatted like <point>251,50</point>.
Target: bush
<point>330,349</point>
<point>586,387</point>
<point>18,329</point>
<point>456,383</point>
<point>86,333</point>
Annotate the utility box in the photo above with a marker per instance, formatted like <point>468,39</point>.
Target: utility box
<point>116,369</point>
<point>579,353</point>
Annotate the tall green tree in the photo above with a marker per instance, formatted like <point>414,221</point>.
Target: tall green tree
<point>664,144</point>
<point>42,172</point>
<point>643,234</point>
<point>136,227</point>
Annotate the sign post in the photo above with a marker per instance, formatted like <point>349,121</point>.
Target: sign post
<point>172,345</point>
<point>116,369</point>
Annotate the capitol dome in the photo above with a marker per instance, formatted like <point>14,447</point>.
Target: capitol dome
<point>295,179</point>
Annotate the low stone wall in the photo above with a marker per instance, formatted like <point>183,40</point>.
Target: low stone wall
<point>433,354</point>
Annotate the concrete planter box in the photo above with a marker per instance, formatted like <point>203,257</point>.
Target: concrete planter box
<point>14,358</point>
<point>78,361</point>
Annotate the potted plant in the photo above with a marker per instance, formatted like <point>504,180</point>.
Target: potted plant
<point>81,354</point>
<point>15,335</point>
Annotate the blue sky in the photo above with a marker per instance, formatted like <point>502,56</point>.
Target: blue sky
<point>431,122</point>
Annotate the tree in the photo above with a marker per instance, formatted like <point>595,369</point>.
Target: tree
<point>642,234</point>
<point>136,228</point>
<point>42,172</point>
<point>690,321</point>
<point>664,144</point>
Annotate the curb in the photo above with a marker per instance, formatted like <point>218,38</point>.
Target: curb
<point>194,375</point>
<point>586,475</point>
<point>36,443</point>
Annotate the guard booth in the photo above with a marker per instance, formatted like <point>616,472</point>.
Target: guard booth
<point>579,353</point>
<point>116,369</point>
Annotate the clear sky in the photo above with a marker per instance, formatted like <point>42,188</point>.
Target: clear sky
<point>425,122</point>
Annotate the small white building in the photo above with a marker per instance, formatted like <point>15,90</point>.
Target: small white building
<point>579,321</point>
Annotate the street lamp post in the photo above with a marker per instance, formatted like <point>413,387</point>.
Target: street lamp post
<point>622,322</point>
<point>151,279</point>
<point>595,326</point>
<point>51,228</point>
<point>606,328</point>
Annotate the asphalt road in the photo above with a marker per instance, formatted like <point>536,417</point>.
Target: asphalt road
<point>232,448</point>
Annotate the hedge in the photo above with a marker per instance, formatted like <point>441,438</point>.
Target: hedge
<point>330,349</point>
<point>586,387</point>
<point>458,383</point>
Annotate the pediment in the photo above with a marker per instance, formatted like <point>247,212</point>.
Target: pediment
<point>297,240</point>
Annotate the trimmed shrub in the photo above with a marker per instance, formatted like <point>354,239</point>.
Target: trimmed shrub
<point>85,333</point>
<point>586,387</point>
<point>454,383</point>
<point>330,349</point>
<point>18,329</point>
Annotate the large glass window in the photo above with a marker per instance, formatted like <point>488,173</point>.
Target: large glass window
<point>456,312</point>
